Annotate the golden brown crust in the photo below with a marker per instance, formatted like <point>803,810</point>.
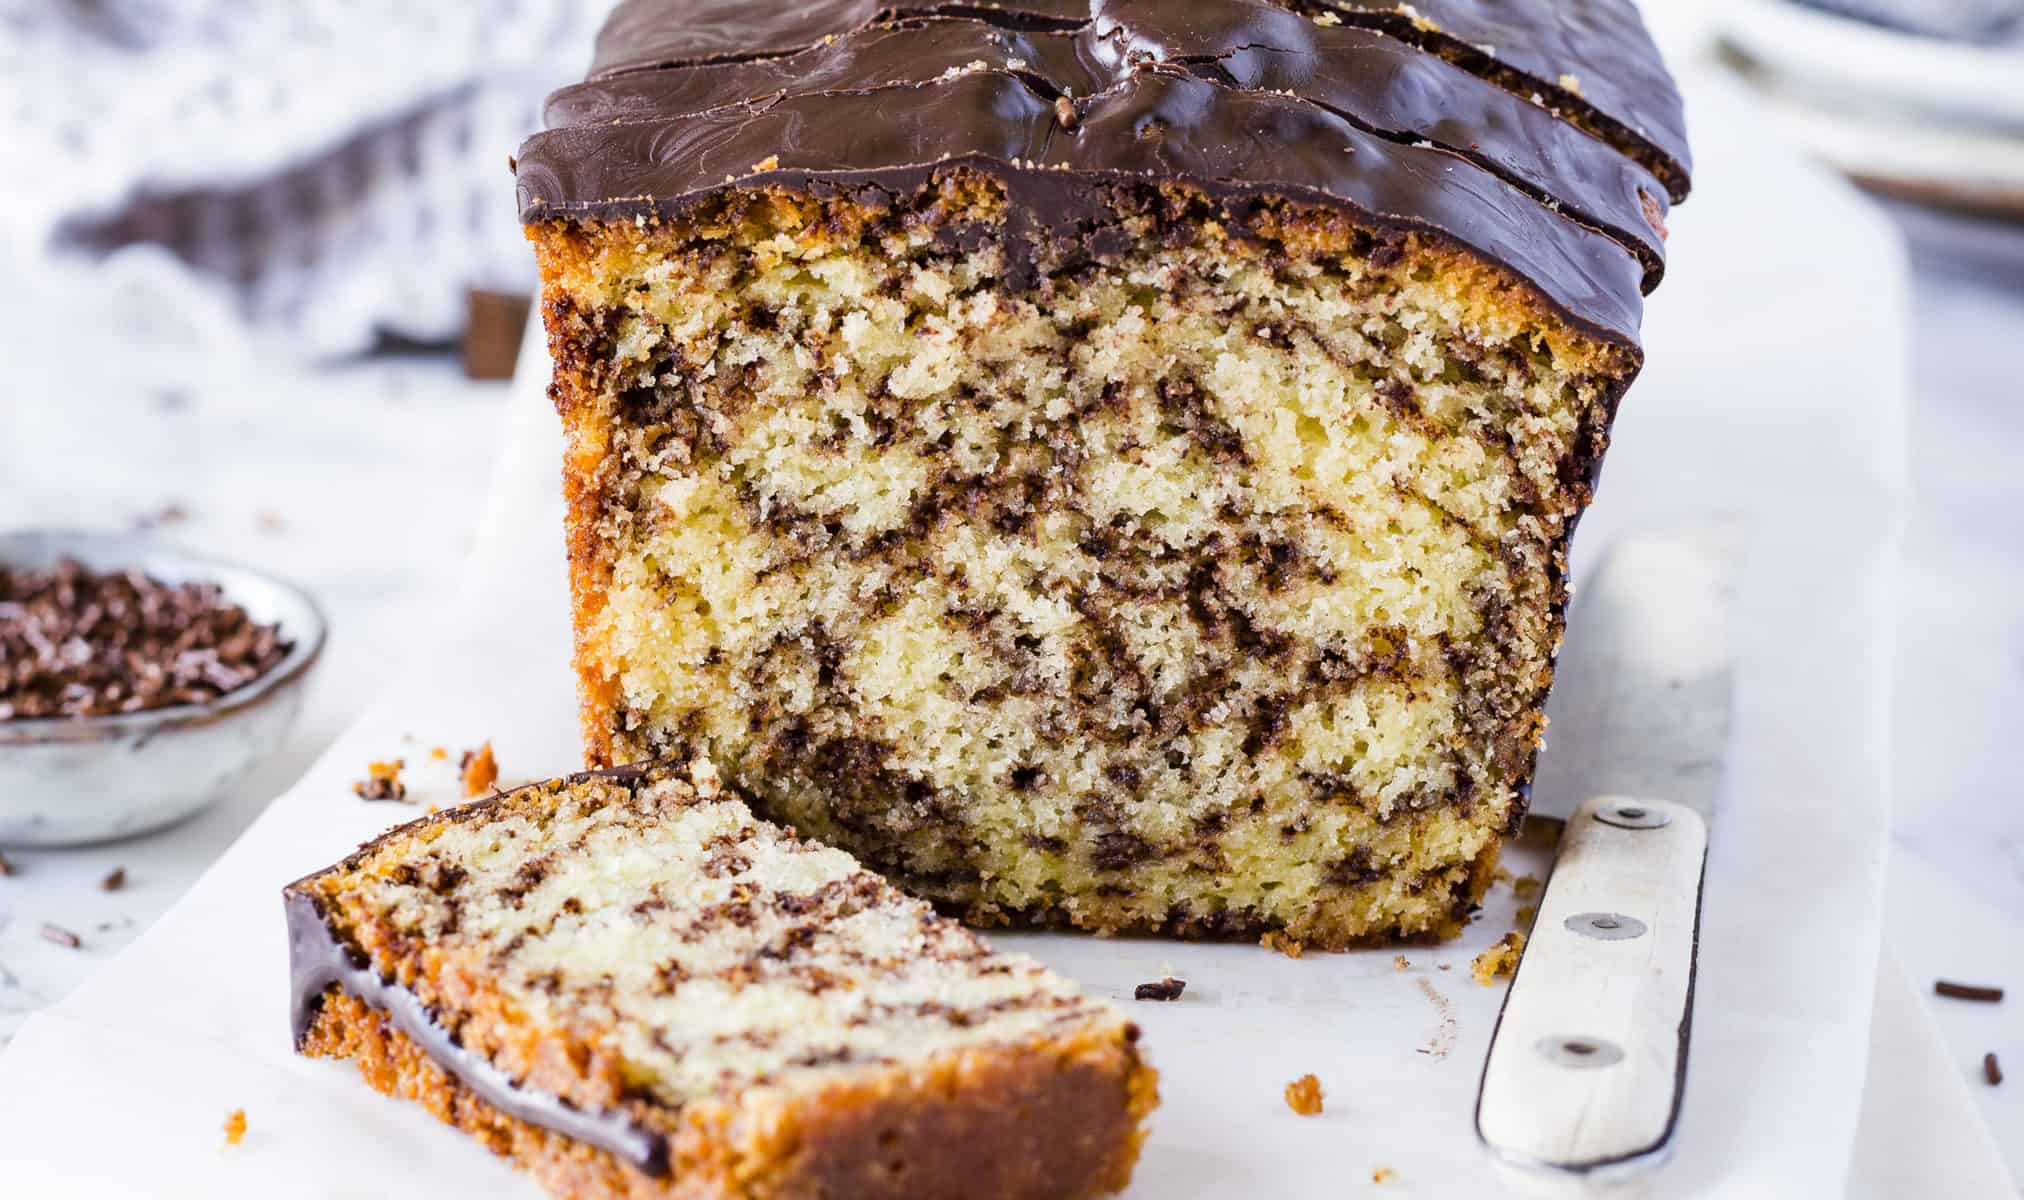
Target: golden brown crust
<point>1057,1120</point>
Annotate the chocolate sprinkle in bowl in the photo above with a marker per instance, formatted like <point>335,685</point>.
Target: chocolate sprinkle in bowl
<point>138,682</point>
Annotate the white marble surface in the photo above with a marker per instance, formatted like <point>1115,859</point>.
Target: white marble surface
<point>362,483</point>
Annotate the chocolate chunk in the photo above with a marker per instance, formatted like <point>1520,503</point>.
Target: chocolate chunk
<point>114,881</point>
<point>1968,991</point>
<point>1168,988</point>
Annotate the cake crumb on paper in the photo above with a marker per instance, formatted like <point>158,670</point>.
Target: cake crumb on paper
<point>480,769</point>
<point>1304,1096</point>
<point>1500,960</point>
<point>382,781</point>
<point>1276,940</point>
<point>1383,1175</point>
<point>1400,962</point>
<point>235,1127</point>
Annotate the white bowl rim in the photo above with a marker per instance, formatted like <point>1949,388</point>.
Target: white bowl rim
<point>104,550</point>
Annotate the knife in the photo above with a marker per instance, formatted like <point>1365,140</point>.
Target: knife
<point>1588,1063</point>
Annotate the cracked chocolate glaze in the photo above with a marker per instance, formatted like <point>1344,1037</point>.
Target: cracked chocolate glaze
<point>1589,59</point>
<point>1378,83</point>
<point>1161,123</point>
<point>317,959</point>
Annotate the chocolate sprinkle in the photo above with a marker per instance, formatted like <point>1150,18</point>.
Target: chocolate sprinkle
<point>1991,1069</point>
<point>6,868</point>
<point>1979,993</point>
<point>75,642</point>
<point>1160,989</point>
<point>60,935</point>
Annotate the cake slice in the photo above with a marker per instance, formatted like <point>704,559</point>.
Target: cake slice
<point>633,988</point>
<point>1101,462</point>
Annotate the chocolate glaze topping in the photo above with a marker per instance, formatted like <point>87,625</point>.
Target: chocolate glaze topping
<point>1064,100</point>
<point>1590,59</point>
<point>1378,83</point>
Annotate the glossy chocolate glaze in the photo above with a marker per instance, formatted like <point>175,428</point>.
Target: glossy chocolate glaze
<point>1064,101</point>
<point>1591,58</point>
<point>318,959</point>
<point>1378,83</point>
<point>1160,124</point>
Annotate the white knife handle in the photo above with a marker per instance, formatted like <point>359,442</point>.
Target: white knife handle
<point>1588,1060</point>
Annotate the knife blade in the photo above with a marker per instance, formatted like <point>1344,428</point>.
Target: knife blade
<point>1587,1066</point>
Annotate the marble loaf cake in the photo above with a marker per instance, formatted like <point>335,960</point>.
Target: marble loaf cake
<point>1102,462</point>
<point>634,989</point>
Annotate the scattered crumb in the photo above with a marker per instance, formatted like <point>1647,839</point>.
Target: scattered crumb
<point>1525,887</point>
<point>1992,1071</point>
<point>1400,962</point>
<point>6,868</point>
<point>1572,83</point>
<point>235,1127</point>
<point>439,752</point>
<point>1160,989</point>
<point>1499,960</point>
<point>1443,1039</point>
<point>1327,20</point>
<point>1276,940</point>
<point>1526,916</point>
<point>1500,875</point>
<point>1978,992</point>
<point>382,782</point>
<point>1064,112</point>
<point>770,163</point>
<point>1303,1096</point>
<point>1447,966</point>
<point>1383,1175</point>
<point>432,810</point>
<point>114,881</point>
<point>60,935</point>
<point>480,769</point>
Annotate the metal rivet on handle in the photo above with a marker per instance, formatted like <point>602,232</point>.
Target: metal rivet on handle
<point>1580,1052</point>
<point>1628,814</point>
<point>1608,927</point>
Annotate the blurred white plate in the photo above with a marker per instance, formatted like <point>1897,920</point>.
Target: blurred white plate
<point>1851,59</point>
<point>1934,121</point>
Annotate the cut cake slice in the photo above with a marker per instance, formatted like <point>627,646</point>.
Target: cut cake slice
<point>631,987</point>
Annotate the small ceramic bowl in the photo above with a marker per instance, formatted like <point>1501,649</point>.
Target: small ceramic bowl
<point>65,781</point>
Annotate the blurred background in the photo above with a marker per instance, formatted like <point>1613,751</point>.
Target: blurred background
<point>264,283</point>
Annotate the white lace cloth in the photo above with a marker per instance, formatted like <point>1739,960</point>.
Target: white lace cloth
<point>310,173</point>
